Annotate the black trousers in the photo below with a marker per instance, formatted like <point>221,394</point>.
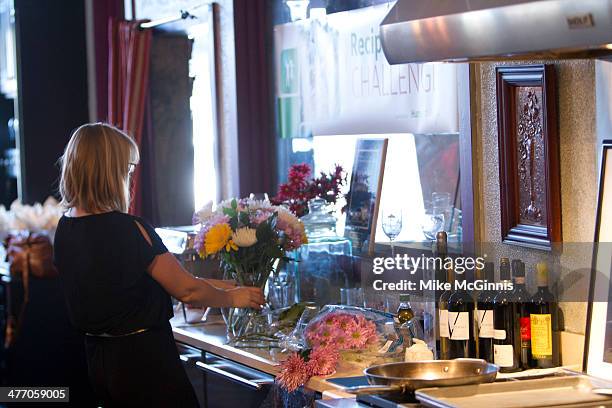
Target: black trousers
<point>139,370</point>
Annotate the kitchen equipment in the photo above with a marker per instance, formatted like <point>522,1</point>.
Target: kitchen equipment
<point>409,376</point>
<point>419,31</point>
<point>568,391</point>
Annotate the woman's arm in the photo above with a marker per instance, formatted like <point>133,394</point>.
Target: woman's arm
<point>182,285</point>
<point>179,283</point>
<point>222,283</point>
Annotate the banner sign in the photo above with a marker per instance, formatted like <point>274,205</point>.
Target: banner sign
<point>332,77</point>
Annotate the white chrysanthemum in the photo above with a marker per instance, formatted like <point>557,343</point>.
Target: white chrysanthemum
<point>255,205</point>
<point>204,213</point>
<point>227,203</point>
<point>244,237</point>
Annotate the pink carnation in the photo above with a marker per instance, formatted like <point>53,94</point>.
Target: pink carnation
<point>294,373</point>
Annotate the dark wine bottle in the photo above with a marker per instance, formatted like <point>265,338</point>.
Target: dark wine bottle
<point>448,277</point>
<point>543,319</point>
<point>506,341</point>
<point>523,300</point>
<point>462,343</point>
<point>484,314</point>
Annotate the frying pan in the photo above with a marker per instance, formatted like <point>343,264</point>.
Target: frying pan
<point>409,376</point>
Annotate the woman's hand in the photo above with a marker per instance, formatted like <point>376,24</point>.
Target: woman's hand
<point>246,296</point>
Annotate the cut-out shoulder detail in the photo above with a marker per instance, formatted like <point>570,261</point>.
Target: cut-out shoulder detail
<point>144,232</point>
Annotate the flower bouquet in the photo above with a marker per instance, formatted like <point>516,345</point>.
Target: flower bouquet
<point>336,334</point>
<point>249,237</point>
<point>300,188</point>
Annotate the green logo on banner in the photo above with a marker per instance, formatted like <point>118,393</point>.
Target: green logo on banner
<point>288,68</point>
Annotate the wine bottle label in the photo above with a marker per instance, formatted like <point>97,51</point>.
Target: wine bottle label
<point>503,355</point>
<point>525,328</point>
<point>443,319</point>
<point>485,324</point>
<point>459,325</point>
<point>499,334</point>
<point>541,335</point>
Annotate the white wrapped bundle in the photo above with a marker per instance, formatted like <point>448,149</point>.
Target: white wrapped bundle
<point>34,218</point>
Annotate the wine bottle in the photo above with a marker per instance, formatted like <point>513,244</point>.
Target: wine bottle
<point>462,343</point>
<point>522,299</point>
<point>404,311</point>
<point>506,340</point>
<point>484,314</point>
<point>448,277</point>
<point>542,321</point>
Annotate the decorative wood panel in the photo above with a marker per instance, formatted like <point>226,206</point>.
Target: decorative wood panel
<point>528,156</point>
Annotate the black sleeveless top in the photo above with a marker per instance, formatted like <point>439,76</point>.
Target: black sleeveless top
<point>102,260</point>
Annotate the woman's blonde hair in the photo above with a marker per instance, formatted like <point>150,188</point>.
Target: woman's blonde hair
<point>96,166</point>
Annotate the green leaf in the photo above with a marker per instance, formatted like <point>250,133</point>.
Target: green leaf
<point>230,212</point>
<point>263,232</point>
<point>244,218</point>
<point>234,204</point>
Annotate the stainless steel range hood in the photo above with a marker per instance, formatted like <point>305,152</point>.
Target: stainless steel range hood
<point>473,30</point>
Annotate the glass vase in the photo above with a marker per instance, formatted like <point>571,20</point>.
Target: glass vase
<point>248,327</point>
<point>320,220</point>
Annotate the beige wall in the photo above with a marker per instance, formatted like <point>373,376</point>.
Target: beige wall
<point>578,153</point>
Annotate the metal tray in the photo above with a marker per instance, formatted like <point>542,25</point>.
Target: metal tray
<point>572,391</point>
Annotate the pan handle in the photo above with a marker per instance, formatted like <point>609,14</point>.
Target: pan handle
<point>373,389</point>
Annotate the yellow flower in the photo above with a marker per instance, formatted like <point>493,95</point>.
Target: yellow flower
<point>217,238</point>
<point>231,245</point>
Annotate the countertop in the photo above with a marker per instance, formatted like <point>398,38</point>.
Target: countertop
<point>211,336</point>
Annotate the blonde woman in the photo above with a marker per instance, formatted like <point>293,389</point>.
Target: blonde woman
<point>118,277</point>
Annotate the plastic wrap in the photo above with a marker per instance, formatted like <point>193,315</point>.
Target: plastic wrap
<point>361,335</point>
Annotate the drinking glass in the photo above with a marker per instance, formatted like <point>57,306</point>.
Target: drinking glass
<point>378,301</point>
<point>281,293</point>
<point>441,204</point>
<point>431,224</point>
<point>352,297</point>
<point>391,224</point>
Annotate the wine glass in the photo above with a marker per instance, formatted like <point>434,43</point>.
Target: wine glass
<point>392,224</point>
<point>431,224</point>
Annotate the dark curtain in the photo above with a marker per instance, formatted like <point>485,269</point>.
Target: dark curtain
<point>128,74</point>
<point>102,12</point>
<point>256,140</point>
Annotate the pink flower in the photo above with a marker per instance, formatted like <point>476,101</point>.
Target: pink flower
<point>294,373</point>
<point>343,331</point>
<point>360,336</point>
<point>323,361</point>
